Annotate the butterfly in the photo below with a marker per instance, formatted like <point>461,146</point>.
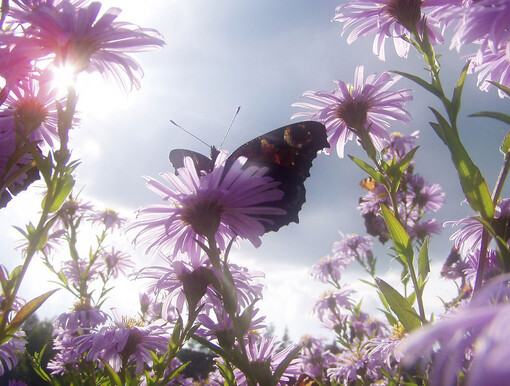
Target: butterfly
<point>368,184</point>
<point>304,380</point>
<point>286,152</point>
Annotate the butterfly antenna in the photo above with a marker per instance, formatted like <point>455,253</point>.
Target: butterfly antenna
<point>230,126</point>
<point>193,135</point>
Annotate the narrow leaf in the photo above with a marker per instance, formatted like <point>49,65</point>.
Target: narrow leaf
<point>400,306</point>
<point>491,114</point>
<point>423,261</point>
<point>285,363</point>
<point>399,236</point>
<point>28,309</point>
<point>505,146</point>
<point>369,169</point>
<point>505,89</point>
<point>457,94</point>
<point>423,83</point>
<point>114,377</point>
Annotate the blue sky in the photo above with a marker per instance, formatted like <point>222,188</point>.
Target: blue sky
<point>261,56</point>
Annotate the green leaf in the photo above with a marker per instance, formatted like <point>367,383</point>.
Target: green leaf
<point>424,262</point>
<point>473,184</point>
<point>423,83</point>
<point>495,115</point>
<point>505,89</point>
<point>204,342</point>
<point>369,169</point>
<point>174,373</point>
<point>401,167</point>
<point>227,374</point>
<point>457,94</point>
<point>284,364</point>
<point>27,310</point>
<point>64,188</point>
<point>114,377</point>
<point>505,146</point>
<point>400,306</point>
<point>399,236</point>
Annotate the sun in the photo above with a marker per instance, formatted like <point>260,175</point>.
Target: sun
<point>64,77</point>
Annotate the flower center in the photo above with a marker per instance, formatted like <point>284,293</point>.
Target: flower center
<point>31,114</point>
<point>353,113</point>
<point>202,215</point>
<point>406,12</point>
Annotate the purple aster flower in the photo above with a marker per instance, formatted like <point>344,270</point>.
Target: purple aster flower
<point>372,200</point>
<point>199,207</point>
<point>78,38</point>
<point>219,325</point>
<point>80,270</point>
<point>15,64</point>
<point>491,268</point>
<point>329,267</point>
<point>83,317</point>
<point>13,382</point>
<point>348,363</point>
<point>391,19</point>
<point>265,355</point>
<point>423,229</point>
<point>115,262</point>
<point>332,301</point>
<point>467,239</point>
<point>108,217</point>
<point>11,351</point>
<point>71,210</point>
<point>125,342</point>
<point>400,145</point>
<point>315,358</point>
<point>480,330</point>
<point>352,247</point>
<point>33,106</point>
<point>492,67</point>
<point>366,105</point>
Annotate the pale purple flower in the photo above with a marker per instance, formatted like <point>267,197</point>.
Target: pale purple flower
<point>352,247</point>
<point>348,363</point>
<point>491,268</point>
<point>424,228</point>
<point>368,104</point>
<point>331,302</point>
<point>80,270</point>
<point>382,350</point>
<point>328,268</point>
<point>492,67</point>
<point>125,342</point>
<point>32,105</point>
<point>184,282</point>
<point>78,38</point>
<point>480,330</point>
<point>400,145</point>
<point>115,262</point>
<point>265,355</point>
<point>427,197</point>
<point>15,64</point>
<point>372,200</point>
<point>72,210</point>
<point>390,19</point>
<point>108,217</point>
<point>219,325</point>
<point>81,318</point>
<point>467,239</point>
<point>11,351</point>
<point>315,357</point>
<point>224,204</point>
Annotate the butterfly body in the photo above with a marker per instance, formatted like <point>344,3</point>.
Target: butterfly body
<point>286,152</point>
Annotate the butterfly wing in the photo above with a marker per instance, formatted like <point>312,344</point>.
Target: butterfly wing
<point>202,163</point>
<point>288,153</point>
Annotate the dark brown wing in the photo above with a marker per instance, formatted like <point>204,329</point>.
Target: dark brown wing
<point>303,380</point>
<point>288,153</point>
<point>201,161</point>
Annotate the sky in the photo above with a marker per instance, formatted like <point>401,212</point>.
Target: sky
<point>261,56</point>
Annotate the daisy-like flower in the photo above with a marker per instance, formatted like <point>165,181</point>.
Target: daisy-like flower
<point>426,197</point>
<point>124,343</point>
<point>315,357</point>
<point>352,246</point>
<point>31,113</point>
<point>71,210</point>
<point>108,217</point>
<point>78,38</point>
<point>329,268</point>
<point>115,262</point>
<point>331,302</point>
<point>480,330</point>
<point>350,362</point>
<point>77,270</point>
<point>367,105</point>
<point>392,19</point>
<point>222,204</point>
<point>265,355</point>
<point>11,351</point>
<point>400,145</point>
<point>467,239</point>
